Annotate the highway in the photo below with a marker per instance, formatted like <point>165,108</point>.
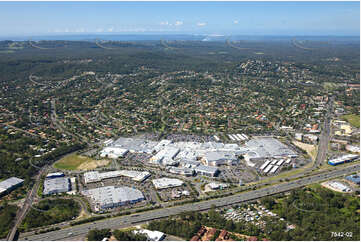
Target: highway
<point>113,223</point>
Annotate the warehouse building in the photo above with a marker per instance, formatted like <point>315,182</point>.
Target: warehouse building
<point>56,185</point>
<point>10,184</point>
<point>343,159</point>
<point>110,196</point>
<point>95,176</point>
<point>165,182</point>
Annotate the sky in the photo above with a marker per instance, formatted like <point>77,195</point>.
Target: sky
<point>213,18</point>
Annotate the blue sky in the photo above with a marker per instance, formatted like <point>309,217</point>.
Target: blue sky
<point>249,18</point>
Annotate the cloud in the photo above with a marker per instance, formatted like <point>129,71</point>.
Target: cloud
<point>100,30</point>
<point>164,23</point>
<point>201,24</point>
<point>111,29</point>
<point>235,21</point>
<point>178,23</point>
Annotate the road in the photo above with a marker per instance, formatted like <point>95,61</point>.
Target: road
<point>325,136</point>
<point>54,120</point>
<point>113,223</point>
<point>27,204</point>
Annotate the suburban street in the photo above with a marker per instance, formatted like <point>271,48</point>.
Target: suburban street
<point>113,223</point>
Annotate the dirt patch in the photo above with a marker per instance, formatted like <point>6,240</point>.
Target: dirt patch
<point>112,238</point>
<point>310,149</point>
<point>93,164</point>
<point>82,214</point>
<point>71,162</point>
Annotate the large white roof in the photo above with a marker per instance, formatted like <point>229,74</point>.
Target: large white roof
<point>167,182</point>
<point>54,185</point>
<point>95,176</point>
<point>110,195</point>
<point>264,147</point>
<point>113,152</point>
<point>10,182</point>
<point>152,235</point>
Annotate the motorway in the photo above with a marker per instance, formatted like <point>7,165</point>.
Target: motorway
<point>114,223</point>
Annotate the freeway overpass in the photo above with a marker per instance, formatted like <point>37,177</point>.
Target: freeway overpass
<point>114,223</point>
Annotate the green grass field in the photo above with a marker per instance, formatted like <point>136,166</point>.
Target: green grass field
<point>71,162</point>
<point>353,119</point>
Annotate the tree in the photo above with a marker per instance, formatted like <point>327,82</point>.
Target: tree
<point>98,235</point>
<point>129,236</point>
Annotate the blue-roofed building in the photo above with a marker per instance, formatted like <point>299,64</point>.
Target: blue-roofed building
<point>354,179</point>
<point>343,159</point>
<point>55,175</point>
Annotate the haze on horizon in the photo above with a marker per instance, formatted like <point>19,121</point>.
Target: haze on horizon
<point>236,18</point>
